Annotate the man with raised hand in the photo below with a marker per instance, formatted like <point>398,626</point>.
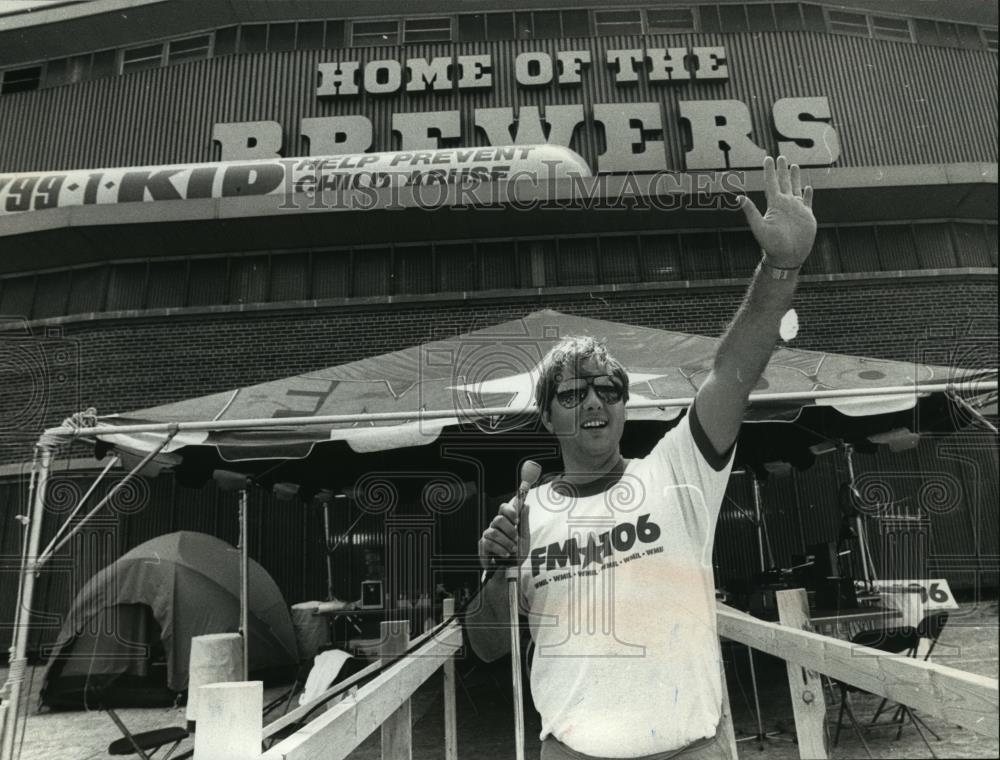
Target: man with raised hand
<point>616,574</point>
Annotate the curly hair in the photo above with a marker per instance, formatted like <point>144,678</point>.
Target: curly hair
<point>567,355</point>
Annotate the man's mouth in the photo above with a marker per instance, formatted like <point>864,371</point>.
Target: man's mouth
<point>594,424</point>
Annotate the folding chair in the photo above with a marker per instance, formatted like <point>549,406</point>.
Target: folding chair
<point>929,628</point>
<point>147,743</point>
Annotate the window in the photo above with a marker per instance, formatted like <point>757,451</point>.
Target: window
<point>67,70</point>
<point>335,31</point>
<point>253,38</point>
<point>103,64</point>
<point>371,272</point>
<point>457,267</point>
<point>926,31</point>
<point>309,35</point>
<point>427,30</point>
<point>813,17</point>
<point>472,27</point>
<point>225,41</point>
<point>760,18</point>
<point>499,264</point>
<point>968,36</point>
<point>733,18</point>
<point>414,269</point>
<point>21,80</point>
<point>547,24</point>
<point>618,22</point>
<point>281,37</point>
<point>57,72</point>
<point>374,33</point>
<point>660,258</point>
<point>499,26</point>
<point>788,17</point>
<point>878,27</point>
<point>670,20</point>
<point>126,288</point>
<point>708,15</point>
<point>990,39</point>
<point>577,24</point>
<point>523,25</point>
<point>248,279</point>
<point>191,49</point>
<point>886,28</point>
<point>848,23</point>
<point>138,59</point>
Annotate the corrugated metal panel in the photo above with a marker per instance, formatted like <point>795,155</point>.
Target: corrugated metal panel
<point>893,103</point>
<point>499,267</point>
<point>934,246</point>
<point>331,275</point>
<point>973,248</point>
<point>619,259</point>
<point>858,252</point>
<point>87,290</point>
<point>126,287</point>
<point>289,277</point>
<point>896,247</point>
<point>17,295</point>
<point>51,295</point>
<point>372,272</point>
<point>167,284</point>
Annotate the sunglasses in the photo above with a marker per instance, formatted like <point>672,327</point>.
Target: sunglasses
<point>608,388</point>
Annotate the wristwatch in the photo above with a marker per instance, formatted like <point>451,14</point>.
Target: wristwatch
<point>777,273</point>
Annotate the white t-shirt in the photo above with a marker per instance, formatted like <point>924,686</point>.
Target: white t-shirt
<point>621,600</point>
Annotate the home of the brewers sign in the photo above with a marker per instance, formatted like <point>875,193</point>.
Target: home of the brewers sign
<point>720,129</point>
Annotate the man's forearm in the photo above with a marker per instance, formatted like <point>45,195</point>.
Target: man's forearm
<point>487,619</point>
<point>748,342</point>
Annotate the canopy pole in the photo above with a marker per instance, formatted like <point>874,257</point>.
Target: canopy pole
<point>867,565</point>
<point>763,540</point>
<point>979,416</point>
<point>83,500</point>
<point>11,692</point>
<point>244,628</point>
<point>117,487</point>
<point>471,414</point>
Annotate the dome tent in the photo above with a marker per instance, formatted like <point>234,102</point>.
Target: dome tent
<point>129,630</point>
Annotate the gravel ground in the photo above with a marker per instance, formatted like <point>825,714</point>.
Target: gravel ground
<point>969,642</point>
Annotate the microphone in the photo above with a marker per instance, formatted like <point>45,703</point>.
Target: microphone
<point>531,471</point>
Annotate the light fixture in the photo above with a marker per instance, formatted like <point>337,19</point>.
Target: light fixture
<point>778,469</point>
<point>823,447</point>
<point>285,491</point>
<point>898,439</point>
<point>227,480</point>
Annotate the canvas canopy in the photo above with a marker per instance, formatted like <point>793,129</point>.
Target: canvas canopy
<point>152,601</point>
<point>452,380</point>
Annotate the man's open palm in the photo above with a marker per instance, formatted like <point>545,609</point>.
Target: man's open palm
<point>787,229</point>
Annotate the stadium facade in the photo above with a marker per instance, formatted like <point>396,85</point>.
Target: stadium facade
<point>156,290</point>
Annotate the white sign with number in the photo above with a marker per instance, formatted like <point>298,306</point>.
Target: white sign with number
<point>916,597</point>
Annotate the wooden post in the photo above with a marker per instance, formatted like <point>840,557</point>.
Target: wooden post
<point>230,721</point>
<point>728,731</point>
<point>808,702</point>
<point>397,737</point>
<point>450,717</point>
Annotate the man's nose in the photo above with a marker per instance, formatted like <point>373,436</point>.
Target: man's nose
<point>592,400</point>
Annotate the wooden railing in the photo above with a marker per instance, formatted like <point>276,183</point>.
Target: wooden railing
<point>229,714</point>
<point>955,696</point>
<point>230,726</point>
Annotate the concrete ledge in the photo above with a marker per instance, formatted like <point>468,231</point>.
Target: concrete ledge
<point>518,294</point>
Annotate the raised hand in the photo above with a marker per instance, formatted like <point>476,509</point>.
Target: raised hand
<point>787,229</point>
